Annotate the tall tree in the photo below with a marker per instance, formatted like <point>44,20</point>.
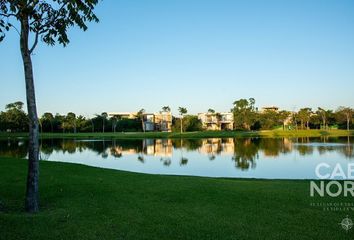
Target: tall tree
<point>14,118</point>
<point>70,121</point>
<point>114,120</point>
<point>304,115</point>
<point>283,117</point>
<point>323,114</point>
<point>140,116</point>
<point>48,117</point>
<point>347,114</point>
<point>182,111</point>
<point>244,113</point>
<point>48,21</point>
<point>218,117</point>
<point>104,116</point>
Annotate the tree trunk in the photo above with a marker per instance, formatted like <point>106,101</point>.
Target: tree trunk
<point>142,124</point>
<point>181,124</point>
<point>348,121</point>
<point>32,193</point>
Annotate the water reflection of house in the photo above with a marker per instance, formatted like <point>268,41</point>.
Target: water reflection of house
<point>154,147</point>
<point>120,151</point>
<point>158,147</point>
<point>163,147</point>
<point>217,146</point>
<point>217,121</point>
<point>161,121</point>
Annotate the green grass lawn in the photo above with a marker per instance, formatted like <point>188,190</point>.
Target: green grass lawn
<point>80,202</point>
<point>203,134</point>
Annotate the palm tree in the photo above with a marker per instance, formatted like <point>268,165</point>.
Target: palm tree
<point>182,111</point>
<point>211,111</point>
<point>323,114</point>
<point>115,120</point>
<point>71,119</point>
<point>166,109</point>
<point>104,116</point>
<point>140,115</point>
<point>92,124</point>
<point>218,120</point>
<point>48,117</point>
<point>283,116</point>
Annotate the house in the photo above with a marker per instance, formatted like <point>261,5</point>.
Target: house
<point>161,121</point>
<point>217,121</point>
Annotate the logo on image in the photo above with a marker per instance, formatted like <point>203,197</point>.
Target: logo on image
<point>346,224</point>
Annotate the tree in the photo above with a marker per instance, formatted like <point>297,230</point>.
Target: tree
<point>104,116</point>
<point>304,115</point>
<point>48,21</point>
<point>244,113</point>
<point>16,105</point>
<point>268,119</point>
<point>345,113</point>
<point>323,114</point>
<point>182,111</point>
<point>114,120</point>
<point>58,121</point>
<point>140,116</point>
<point>70,121</point>
<point>218,120</point>
<point>14,118</point>
<point>283,117</point>
<point>166,109</point>
<point>48,117</point>
<point>211,111</point>
<point>192,123</point>
<point>92,124</point>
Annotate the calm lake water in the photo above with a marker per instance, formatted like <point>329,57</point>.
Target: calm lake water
<point>272,158</point>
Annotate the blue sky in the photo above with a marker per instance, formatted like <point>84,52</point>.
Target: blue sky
<point>194,53</point>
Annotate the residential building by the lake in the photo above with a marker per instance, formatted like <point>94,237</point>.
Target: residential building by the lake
<point>217,121</point>
<point>161,121</point>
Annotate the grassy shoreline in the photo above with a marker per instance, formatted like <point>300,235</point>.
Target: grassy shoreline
<point>81,202</point>
<point>204,134</point>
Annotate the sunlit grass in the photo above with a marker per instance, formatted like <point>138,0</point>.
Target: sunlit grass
<point>80,202</point>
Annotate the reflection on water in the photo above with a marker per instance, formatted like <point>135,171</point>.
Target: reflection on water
<point>205,157</point>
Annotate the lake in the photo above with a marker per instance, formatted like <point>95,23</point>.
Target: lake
<point>270,158</point>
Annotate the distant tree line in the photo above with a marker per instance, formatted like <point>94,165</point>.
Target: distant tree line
<point>246,117</point>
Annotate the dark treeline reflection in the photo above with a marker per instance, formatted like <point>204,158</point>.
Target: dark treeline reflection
<point>243,151</point>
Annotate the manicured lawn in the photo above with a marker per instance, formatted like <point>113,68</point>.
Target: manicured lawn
<point>80,202</point>
<point>204,134</point>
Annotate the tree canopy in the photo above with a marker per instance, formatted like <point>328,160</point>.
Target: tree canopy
<point>48,21</point>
